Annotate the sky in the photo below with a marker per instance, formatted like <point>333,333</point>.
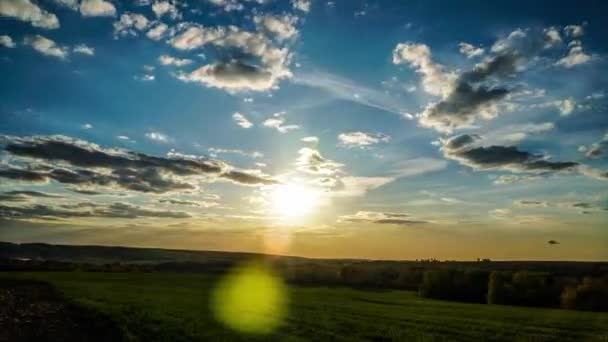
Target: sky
<point>329,129</point>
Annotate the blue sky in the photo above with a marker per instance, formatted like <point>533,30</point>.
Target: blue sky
<point>372,129</point>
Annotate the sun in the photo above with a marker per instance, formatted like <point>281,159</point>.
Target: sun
<point>293,200</point>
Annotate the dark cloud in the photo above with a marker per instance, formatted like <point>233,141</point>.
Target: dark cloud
<point>85,209</point>
<point>553,242</point>
<point>463,149</point>
<point>86,164</point>
<point>375,217</point>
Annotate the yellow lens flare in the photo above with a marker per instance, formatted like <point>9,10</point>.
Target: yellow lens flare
<point>251,299</point>
<point>294,200</point>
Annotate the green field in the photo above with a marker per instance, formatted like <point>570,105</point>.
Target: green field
<point>176,307</point>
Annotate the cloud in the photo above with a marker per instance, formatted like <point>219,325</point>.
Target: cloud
<point>281,27</point>
<point>596,150</point>
<point>25,10</point>
<point>361,139</point>
<point>464,149</point>
<point>312,162</point>
<point>24,195</point>
<point>97,8</point>
<point>161,8</point>
<point>575,56</point>
<point>203,204</point>
<point>565,106</point>
<point>170,60</point>
<point>311,139</point>
<point>214,152</point>
<point>84,49</point>
<point>81,163</point>
<point>158,137</point>
<point>351,186</point>
<point>277,121</point>
<point>470,50</point>
<point>252,62</point>
<point>158,31</point>
<point>6,41</point>
<point>86,126</point>
<point>302,5</point>
<point>435,79</point>
<point>574,31</point>
<point>241,120</point>
<point>477,93</point>
<point>417,166</point>
<point>376,217</point>
<point>228,5</point>
<point>129,24</point>
<point>71,4</point>
<point>86,210</point>
<point>47,47</point>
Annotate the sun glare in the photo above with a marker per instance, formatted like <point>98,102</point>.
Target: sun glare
<point>292,200</point>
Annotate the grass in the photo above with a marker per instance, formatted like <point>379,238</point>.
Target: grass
<point>176,307</point>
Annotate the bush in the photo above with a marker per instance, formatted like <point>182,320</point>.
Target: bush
<point>590,294</point>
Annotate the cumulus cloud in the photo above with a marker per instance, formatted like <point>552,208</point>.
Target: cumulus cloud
<point>214,152</point>
<point>574,31</point>
<point>376,217</point>
<point>84,49</point>
<point>97,8</point>
<point>277,121</point>
<point>576,56</point>
<point>302,5</point>
<point>26,10</point>
<point>477,93</point>
<point>161,8</point>
<point>81,163</point>
<point>362,139</point>
<point>47,46</point>
<point>158,31</point>
<point>6,41</point>
<point>470,50</point>
<point>170,60</point>
<point>253,62</point>
<point>312,162</point>
<point>281,27</point>
<point>86,126</point>
<point>241,120</point>
<point>129,24</point>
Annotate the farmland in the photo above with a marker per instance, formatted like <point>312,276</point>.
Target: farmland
<point>178,307</point>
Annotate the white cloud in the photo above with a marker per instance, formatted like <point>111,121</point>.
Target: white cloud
<point>575,56</point>
<point>361,139</point>
<point>417,166</point>
<point>47,47</point>
<point>282,27</point>
<point>157,32</point>
<point>158,137</point>
<point>84,49</point>
<point>170,60</point>
<point>71,4</point>
<point>311,139</point>
<point>161,8</point>
<point>86,126</point>
<point>302,5</point>
<point>566,106</point>
<point>277,121</point>
<point>359,186</point>
<point>25,10</point>
<point>435,79</point>
<point>97,8</point>
<point>470,50</point>
<point>241,120</point>
<point>312,162</point>
<point>214,152</point>
<point>6,41</point>
<point>145,78</point>
<point>130,23</point>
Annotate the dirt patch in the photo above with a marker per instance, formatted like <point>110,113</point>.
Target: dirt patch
<point>34,311</point>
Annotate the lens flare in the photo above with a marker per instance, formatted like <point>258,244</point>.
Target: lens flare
<point>250,299</point>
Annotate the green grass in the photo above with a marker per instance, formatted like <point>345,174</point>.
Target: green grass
<point>175,307</point>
